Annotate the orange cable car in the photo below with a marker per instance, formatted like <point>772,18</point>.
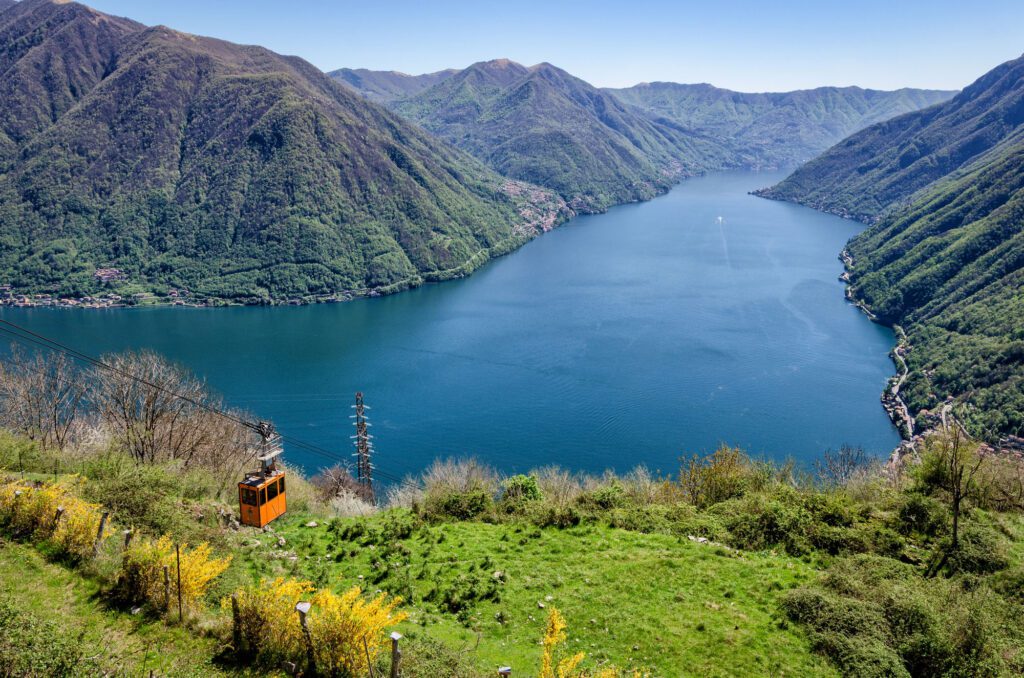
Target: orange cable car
<point>261,496</point>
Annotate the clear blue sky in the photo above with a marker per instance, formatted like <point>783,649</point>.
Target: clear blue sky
<point>750,45</point>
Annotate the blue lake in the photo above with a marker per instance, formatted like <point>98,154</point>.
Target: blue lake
<point>637,336</point>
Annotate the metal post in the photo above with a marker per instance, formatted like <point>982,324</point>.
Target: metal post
<point>369,664</point>
<point>181,610</point>
<point>99,534</point>
<point>167,589</point>
<point>396,654</point>
<point>303,609</point>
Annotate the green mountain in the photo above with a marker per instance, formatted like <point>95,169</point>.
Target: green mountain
<point>770,130</point>
<point>542,125</point>
<point>386,86</point>
<point>944,188</point>
<point>597,147</point>
<point>232,171</point>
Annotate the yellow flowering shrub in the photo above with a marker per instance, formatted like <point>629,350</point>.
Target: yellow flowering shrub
<point>142,572</point>
<point>34,512</point>
<point>78,526</point>
<point>338,624</point>
<point>554,635</point>
<point>568,667</point>
<point>269,623</point>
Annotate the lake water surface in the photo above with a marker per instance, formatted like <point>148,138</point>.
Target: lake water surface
<point>635,336</point>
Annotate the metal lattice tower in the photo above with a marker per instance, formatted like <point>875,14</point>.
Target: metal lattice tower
<point>364,448</point>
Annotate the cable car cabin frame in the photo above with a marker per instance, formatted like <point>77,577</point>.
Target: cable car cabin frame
<point>261,496</point>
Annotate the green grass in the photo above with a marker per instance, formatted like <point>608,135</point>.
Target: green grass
<point>114,641</point>
<point>648,601</point>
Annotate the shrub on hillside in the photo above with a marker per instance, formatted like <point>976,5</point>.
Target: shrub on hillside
<point>458,505</point>
<point>338,624</point>
<point>761,521</point>
<point>520,488</point>
<point>545,514</point>
<point>348,504</point>
<point>921,515</point>
<point>725,474</point>
<point>604,497</point>
<point>558,486</point>
<point>141,578</point>
<point>980,551</point>
<point>874,616</point>
<point>32,511</point>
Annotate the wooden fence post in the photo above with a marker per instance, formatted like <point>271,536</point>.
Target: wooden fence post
<point>181,610</point>
<point>396,654</point>
<point>99,534</point>
<point>303,609</point>
<point>127,539</point>
<point>167,590</point>
<point>56,517</point>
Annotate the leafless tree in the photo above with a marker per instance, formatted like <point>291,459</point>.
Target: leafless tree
<point>837,468</point>
<point>159,411</point>
<point>336,481</point>
<point>1008,482</point>
<point>41,397</point>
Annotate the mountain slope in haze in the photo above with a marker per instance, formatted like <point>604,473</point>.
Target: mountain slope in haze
<point>945,256</point>
<point>386,86</point>
<point>231,171</point>
<point>542,125</point>
<point>770,130</point>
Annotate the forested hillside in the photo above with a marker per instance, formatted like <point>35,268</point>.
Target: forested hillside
<point>228,170</point>
<point>542,125</point>
<point>775,129</point>
<point>945,258</point>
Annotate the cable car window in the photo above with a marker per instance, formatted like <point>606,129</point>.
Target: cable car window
<point>248,497</point>
<point>263,496</point>
<point>282,484</point>
<point>272,491</point>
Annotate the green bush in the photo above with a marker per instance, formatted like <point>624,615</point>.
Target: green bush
<point>757,522</point>
<point>459,505</point>
<point>521,488</point>
<point>874,616</point>
<point>605,497</point>
<point>922,515</point>
<point>849,632</point>
<point>980,551</point>
<point>550,515</point>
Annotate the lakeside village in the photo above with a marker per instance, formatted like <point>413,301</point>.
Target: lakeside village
<point>106,276</point>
